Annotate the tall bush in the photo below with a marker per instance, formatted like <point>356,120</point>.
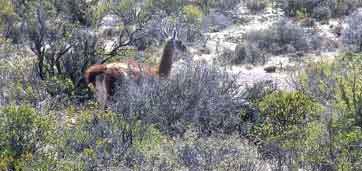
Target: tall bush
<point>337,86</point>
<point>199,95</point>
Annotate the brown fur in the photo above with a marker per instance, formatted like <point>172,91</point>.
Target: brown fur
<point>111,73</point>
<point>131,69</point>
<point>93,71</point>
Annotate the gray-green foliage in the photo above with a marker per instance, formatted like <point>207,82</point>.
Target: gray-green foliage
<point>282,37</point>
<point>336,86</point>
<point>18,83</point>
<point>318,127</point>
<point>285,115</point>
<point>192,121</point>
<point>319,9</point>
<point>351,35</point>
<point>199,95</point>
<point>256,5</point>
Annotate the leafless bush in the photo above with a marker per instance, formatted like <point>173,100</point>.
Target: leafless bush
<point>159,28</point>
<point>63,51</point>
<point>199,95</point>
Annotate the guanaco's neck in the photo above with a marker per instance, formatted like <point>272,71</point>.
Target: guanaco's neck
<point>166,61</point>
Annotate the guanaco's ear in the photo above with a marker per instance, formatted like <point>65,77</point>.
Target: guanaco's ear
<point>174,34</point>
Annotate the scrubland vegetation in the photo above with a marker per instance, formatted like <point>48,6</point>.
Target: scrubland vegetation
<point>201,118</point>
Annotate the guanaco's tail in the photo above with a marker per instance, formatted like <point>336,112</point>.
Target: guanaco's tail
<point>94,70</point>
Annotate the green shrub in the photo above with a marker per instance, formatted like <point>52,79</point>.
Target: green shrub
<point>7,15</point>
<point>6,10</point>
<point>338,86</point>
<point>60,85</point>
<point>283,111</point>
<point>347,122</point>
<point>193,14</point>
<point>24,137</point>
<point>317,81</point>
<point>290,122</point>
<point>98,139</point>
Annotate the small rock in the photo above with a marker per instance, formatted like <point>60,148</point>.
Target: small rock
<point>270,69</point>
<point>249,66</point>
<point>205,50</point>
<point>300,54</point>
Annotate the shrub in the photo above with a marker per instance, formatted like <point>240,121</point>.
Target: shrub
<point>160,28</point>
<point>199,95</point>
<point>193,14</point>
<point>60,37</point>
<point>18,83</point>
<point>321,13</point>
<point>322,10</point>
<point>218,152</point>
<point>94,139</point>
<point>6,12</point>
<point>317,81</point>
<point>225,57</point>
<point>224,5</point>
<point>249,53</point>
<point>352,33</point>
<point>345,7</point>
<point>283,37</point>
<point>24,137</point>
<point>256,5</point>
<point>336,84</point>
<point>282,111</point>
<point>169,6</point>
<point>285,115</point>
<point>292,7</point>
